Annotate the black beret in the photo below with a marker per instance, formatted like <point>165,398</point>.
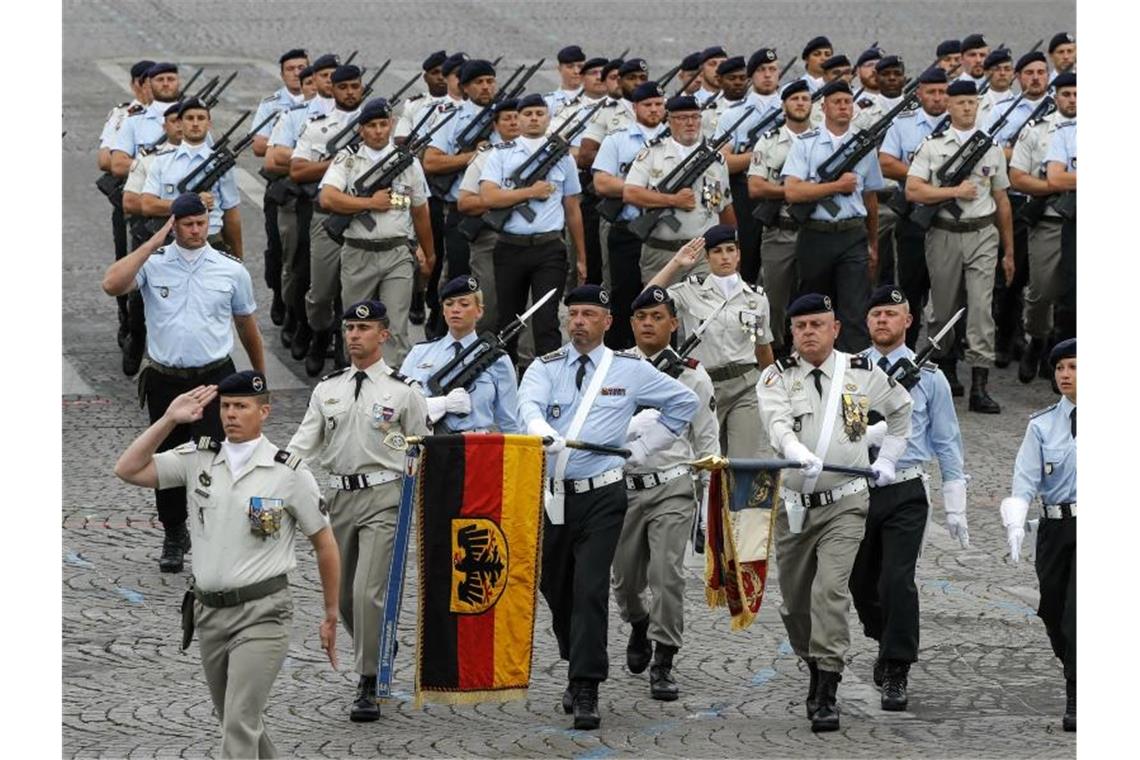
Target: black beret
<point>435,59</point>
<point>454,61</point>
<point>716,51</point>
<point>973,42</point>
<point>729,65</point>
<point>534,100</point>
<point>796,85</point>
<point>588,294</point>
<point>612,65</point>
<point>174,109</point>
<point>654,295</point>
<point>815,43</point>
<point>377,108</point>
<point>1067,79</point>
<point>475,68</point>
<point>248,382</point>
<point>962,87</point>
<point>836,61</point>
<point>1059,39</point>
<point>306,73</point>
<point>645,91</point>
<point>681,103</point>
<point>161,68</point>
<point>571,54</point>
<point>759,58</point>
<point>141,70</point>
<point>294,53</point>
<point>190,104</point>
<point>365,311</point>
<point>1066,349</point>
<point>889,61</point>
<point>886,295</point>
<point>459,286</point>
<point>948,47</point>
<point>345,73</point>
<point>633,66</point>
<point>870,54</point>
<point>1001,55</point>
<point>509,104</point>
<point>834,86</point>
<point>691,62</point>
<point>326,61</point>
<point>187,204</point>
<point>593,63</point>
<point>1034,57</point>
<point>809,303</point>
<point>719,233</point>
<point>933,75</point>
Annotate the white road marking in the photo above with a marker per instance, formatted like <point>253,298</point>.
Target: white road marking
<point>73,382</point>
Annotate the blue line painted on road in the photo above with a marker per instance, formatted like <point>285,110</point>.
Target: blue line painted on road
<point>785,647</point>
<point>594,754</point>
<point>1016,607</point>
<point>713,711</point>
<point>130,595</point>
<point>656,729</point>
<point>72,558</point>
<point>763,676</point>
<point>944,586</point>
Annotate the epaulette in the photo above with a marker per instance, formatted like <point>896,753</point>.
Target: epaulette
<point>428,341</point>
<point>318,117</point>
<point>295,106</point>
<point>810,133</point>
<point>655,141</point>
<point>507,144</point>
<point>938,133</point>
<point>619,130</point>
<point>696,279</point>
<point>123,105</point>
<point>160,251</point>
<point>860,362</point>
<point>628,353</point>
<point>228,256</point>
<point>408,381</point>
<point>1063,124</point>
<point>1046,410</point>
<point>610,103</point>
<point>786,363</point>
<point>269,98</point>
<point>929,366</point>
<point>907,114</point>
<point>334,373</point>
<point>206,443</point>
<point>553,356</point>
<point>416,97</point>
<point>135,110</point>
<point>483,147</point>
<point>186,448</point>
<point>287,458</point>
<point>770,133</point>
<point>155,151</point>
<point>690,362</point>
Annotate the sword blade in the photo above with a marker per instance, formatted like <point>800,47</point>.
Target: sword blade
<point>526,314</point>
<point>949,326</point>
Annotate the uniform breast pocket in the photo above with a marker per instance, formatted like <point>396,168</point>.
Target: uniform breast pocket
<point>801,413</point>
<point>218,295</point>
<point>335,416</point>
<point>164,289</point>
<point>1055,460</point>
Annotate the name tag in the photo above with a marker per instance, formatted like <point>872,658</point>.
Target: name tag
<point>612,391</point>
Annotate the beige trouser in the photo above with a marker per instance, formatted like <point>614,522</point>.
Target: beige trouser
<point>242,650</point>
<point>483,267</point>
<point>604,234</point>
<point>650,558</point>
<point>742,435</point>
<point>324,276</point>
<point>364,523</point>
<point>1045,285</point>
<point>961,266</point>
<point>778,267</point>
<point>815,566</point>
<point>654,259</point>
<point>387,276</point>
<point>287,230</point>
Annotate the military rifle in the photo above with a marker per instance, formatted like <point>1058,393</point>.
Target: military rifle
<point>906,371</point>
<point>222,158</point>
<point>212,99</point>
<point>665,361</point>
<point>192,80</point>
<point>610,208</point>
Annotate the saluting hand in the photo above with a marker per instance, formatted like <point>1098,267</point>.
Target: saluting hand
<point>691,252</point>
<point>190,406</point>
<point>158,238</point>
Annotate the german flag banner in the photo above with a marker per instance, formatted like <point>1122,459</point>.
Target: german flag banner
<point>479,501</point>
<point>741,521</point>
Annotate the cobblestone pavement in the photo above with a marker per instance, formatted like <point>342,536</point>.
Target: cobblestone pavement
<point>986,683</point>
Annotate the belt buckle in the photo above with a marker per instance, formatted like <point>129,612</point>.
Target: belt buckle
<point>828,498</point>
<point>346,482</point>
<point>229,598</point>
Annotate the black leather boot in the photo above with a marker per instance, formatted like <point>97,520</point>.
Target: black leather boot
<point>586,706</point>
<point>639,650</point>
<point>416,313</point>
<point>826,716</point>
<point>277,309</point>
<point>288,328</point>
<point>568,697</point>
<point>1027,367</point>
<point>811,704</point>
<point>175,544</point>
<point>949,367</point>
<point>877,672</point>
<point>980,400</point>
<point>893,698</point>
<point>315,359</point>
<point>662,685</point>
<point>302,339</point>
<point>365,709</point>
<point>1069,720</point>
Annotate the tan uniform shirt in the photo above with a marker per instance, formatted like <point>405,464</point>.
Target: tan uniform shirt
<point>407,190</point>
<point>791,409</point>
<point>346,434</point>
<point>736,329</point>
<point>768,158</point>
<point>470,181</point>
<point>315,136</point>
<point>228,553</point>
<point>412,110</point>
<point>654,163</point>
<point>1032,145</point>
<point>611,117</point>
<point>571,108</point>
<point>136,178</point>
<point>989,174</point>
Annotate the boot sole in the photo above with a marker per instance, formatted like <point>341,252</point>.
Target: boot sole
<point>1067,725</point>
<point>818,727</point>
<point>664,696</point>
<point>893,706</point>
<point>984,411</point>
<point>587,724</point>
<point>364,717</point>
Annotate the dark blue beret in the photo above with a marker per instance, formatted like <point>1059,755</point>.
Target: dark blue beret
<point>377,108</point>
<point>654,295</point>
<point>614,64</point>
<point>345,73</point>
<point>962,87</point>
<point>161,68</point>
<point>593,63</point>
<point>1001,55</point>
<point>836,61</point>
<point>141,70</point>
<point>365,311</point>
<point>1059,39</point>
<point>760,57</point>
<point>719,233</point>
<point>1034,57</point>
<point>187,204</point>
<point>889,61</point>
<point>458,286</point>
<point>454,61</point>
<point>509,104</point>
<point>290,55</point>
<point>681,103</point>
<point>533,100</point>
<point>1067,79</point>
<point>815,43</point>
<point>973,42</point>
<point>1064,350</point>
<point>868,55</point>
<point>248,382</point>
<point>886,295</point>
<point>588,294</point>
<point>326,61</point>
<point>435,59</point>
<point>645,91</point>
<point>715,51</point>
<point>174,109</point>
<point>633,66</point>
<point>691,62</point>
<point>796,85</point>
<point>729,65</point>
<point>933,75</point>
<point>306,73</point>
<point>190,104</point>
<point>475,68</point>
<point>834,86</point>
<point>948,47</point>
<point>571,54</point>
<point>809,303</point>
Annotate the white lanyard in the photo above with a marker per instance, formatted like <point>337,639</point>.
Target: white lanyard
<point>830,412</point>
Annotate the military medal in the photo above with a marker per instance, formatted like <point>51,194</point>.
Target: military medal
<point>855,416</point>
<point>204,478</point>
<point>265,516</point>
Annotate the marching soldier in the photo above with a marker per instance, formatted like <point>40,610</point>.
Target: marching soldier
<point>1061,174</point>
<point>974,50</point>
<point>815,52</point>
<point>865,69</point>
<point>570,60</point>
<point>1062,54</point>
<point>814,406</point>
<point>351,415</point>
<point>710,60</point>
<point>1046,467</point>
<point>650,556</point>
<point>949,54</point>
<point>689,74</point>
<point>615,114</point>
<point>882,578</point>
<point>999,75</point>
<point>412,109</point>
<point>145,127</point>
<point>585,390</point>
<point>961,253</point>
<point>250,499</point>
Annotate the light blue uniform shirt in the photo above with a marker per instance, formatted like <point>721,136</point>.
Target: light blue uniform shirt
<point>617,152</point>
<point>169,169</point>
<point>558,98</point>
<point>704,96</point>
<point>282,100</point>
<point>549,214</point>
<point>1063,146</point>
<point>907,132</point>
<point>548,392</point>
<point>141,130</point>
<point>494,397</point>
<point>1017,117</point>
<point>1046,464</point>
<point>762,105</point>
<point>934,432</point>
<point>446,140</point>
<point>190,306</point>
<point>289,125</point>
<point>811,149</point>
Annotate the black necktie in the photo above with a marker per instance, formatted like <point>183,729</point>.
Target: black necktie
<point>457,347</point>
<point>816,374</point>
<point>884,365</point>
<point>578,378</point>
<point>359,378</point>
<point>1073,420</point>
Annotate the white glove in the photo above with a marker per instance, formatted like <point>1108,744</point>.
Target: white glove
<point>884,470</point>
<point>458,402</point>
<point>812,465</point>
<point>654,438</point>
<point>954,500</point>
<point>541,428</point>
<point>436,408</point>
<point>640,453</point>
<point>1013,513</point>
<point>876,433</point>
<point>641,422</point>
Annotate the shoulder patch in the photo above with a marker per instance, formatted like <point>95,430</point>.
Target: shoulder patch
<point>135,110</point>
<point>334,373</point>
<point>206,443</point>
<point>910,114</point>
<point>810,134</point>
<point>627,354</point>
<point>507,144</point>
<point>786,363</point>
<point>287,458</point>
<point>429,341</point>
<point>1047,409</point>
<point>269,98</point>
<point>411,382</point>
<point>553,356</point>
<point>690,362</point>
<point>318,117</point>
<point>229,256</point>
<point>186,448</point>
<point>660,138</point>
<point>864,102</point>
<point>860,362</point>
<point>296,106</point>
<point>417,97</point>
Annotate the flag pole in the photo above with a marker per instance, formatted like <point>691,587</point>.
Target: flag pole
<point>394,594</point>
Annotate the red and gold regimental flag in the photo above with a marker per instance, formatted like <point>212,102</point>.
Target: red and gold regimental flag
<point>479,501</point>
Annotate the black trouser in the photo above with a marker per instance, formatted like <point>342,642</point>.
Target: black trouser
<point>882,577</point>
<point>119,234</point>
<point>1065,312</point>
<point>913,276</point>
<point>437,209</point>
<point>576,559</point>
<point>1056,564</point>
<point>273,253</point>
<point>835,264</point>
<point>588,202</point>
<point>888,257</point>
<point>520,269</point>
<point>458,248</point>
<point>160,390</point>
<point>747,229</point>
<point>303,258</point>
<point>625,283</point>
<point>1009,301</point>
